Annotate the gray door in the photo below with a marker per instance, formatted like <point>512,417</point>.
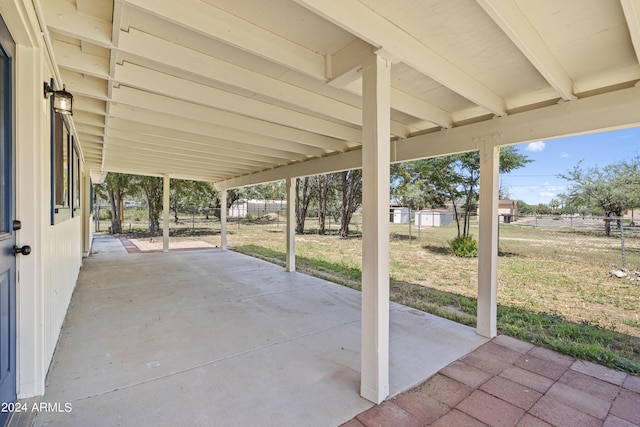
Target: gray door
<point>7,232</point>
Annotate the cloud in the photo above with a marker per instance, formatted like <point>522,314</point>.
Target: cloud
<point>535,146</point>
<point>546,194</point>
<point>564,154</point>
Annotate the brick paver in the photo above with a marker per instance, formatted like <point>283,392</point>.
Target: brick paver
<point>600,372</point>
<point>521,396</point>
<point>508,382</point>
<point>490,410</point>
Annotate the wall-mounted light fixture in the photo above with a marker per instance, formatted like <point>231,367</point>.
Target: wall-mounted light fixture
<point>62,100</point>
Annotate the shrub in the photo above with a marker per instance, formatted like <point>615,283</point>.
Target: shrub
<point>464,246</point>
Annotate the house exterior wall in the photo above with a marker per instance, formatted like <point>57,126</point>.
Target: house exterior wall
<point>47,277</point>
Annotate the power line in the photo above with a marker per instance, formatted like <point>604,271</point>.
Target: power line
<point>523,176</point>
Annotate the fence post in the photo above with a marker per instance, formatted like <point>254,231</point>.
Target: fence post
<point>419,227</point>
<point>409,225</point>
<point>624,255</point>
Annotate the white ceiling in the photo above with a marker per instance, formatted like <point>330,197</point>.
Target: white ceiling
<point>216,89</point>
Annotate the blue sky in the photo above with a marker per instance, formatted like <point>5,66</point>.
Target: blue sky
<point>538,181</point>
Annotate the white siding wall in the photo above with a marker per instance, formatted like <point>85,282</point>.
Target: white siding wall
<point>61,261</point>
<point>47,277</point>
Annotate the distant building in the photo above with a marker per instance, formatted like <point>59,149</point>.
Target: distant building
<point>508,207</point>
<point>399,214</point>
<point>433,218</point>
<point>242,208</point>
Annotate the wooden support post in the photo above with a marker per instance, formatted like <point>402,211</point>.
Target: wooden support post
<point>375,229</point>
<point>165,213</point>
<point>488,242</point>
<point>291,224</point>
<point>223,219</point>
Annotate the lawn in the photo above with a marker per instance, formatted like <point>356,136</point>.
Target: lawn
<point>554,285</point>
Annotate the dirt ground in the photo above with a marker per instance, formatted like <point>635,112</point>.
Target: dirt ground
<point>540,269</point>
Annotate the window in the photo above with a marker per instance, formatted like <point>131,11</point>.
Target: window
<point>65,172</point>
<point>60,170</point>
<point>76,180</point>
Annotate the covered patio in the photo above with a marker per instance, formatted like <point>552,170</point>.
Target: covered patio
<point>245,92</point>
<point>212,337</point>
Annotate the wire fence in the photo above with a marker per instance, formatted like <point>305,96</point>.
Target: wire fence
<point>612,243</point>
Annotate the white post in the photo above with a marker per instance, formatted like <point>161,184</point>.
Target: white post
<point>86,203</point>
<point>223,219</point>
<point>375,228</point>
<point>291,224</point>
<point>165,213</point>
<point>488,242</point>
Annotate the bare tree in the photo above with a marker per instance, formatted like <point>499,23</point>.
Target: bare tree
<point>303,198</point>
<point>152,187</point>
<point>117,186</point>
<point>351,186</point>
<point>324,186</point>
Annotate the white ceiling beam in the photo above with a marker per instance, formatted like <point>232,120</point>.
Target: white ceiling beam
<point>609,111</point>
<point>159,103</point>
<point>137,149</point>
<point>62,17</point>
<point>631,9</point>
<point>88,119</point>
<point>363,22</point>
<point>188,60</point>
<point>84,86</point>
<point>153,81</point>
<point>212,22</point>
<point>344,66</point>
<point>163,163</point>
<point>158,158</point>
<point>335,163</point>
<point>514,23</point>
<point>84,129</point>
<point>187,125</point>
<point>154,170</point>
<point>345,70</point>
<point>171,147</point>
<point>89,105</point>
<point>73,58</point>
<point>188,137</point>
<point>92,139</point>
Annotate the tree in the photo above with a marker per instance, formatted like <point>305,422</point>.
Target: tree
<point>351,188</point>
<point>325,189</point>
<point>609,190</point>
<point>525,208</point>
<point>117,186</point>
<point>304,194</point>
<point>152,187</point>
<point>194,194</point>
<point>452,180</point>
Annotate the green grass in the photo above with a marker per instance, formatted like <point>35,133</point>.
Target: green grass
<point>554,286</point>
<point>584,341</point>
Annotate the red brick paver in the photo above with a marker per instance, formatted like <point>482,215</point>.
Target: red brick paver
<point>508,382</point>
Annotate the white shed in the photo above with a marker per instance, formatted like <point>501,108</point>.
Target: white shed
<point>401,215</point>
<point>433,218</point>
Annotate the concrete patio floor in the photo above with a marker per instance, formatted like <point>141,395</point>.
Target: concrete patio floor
<point>212,337</point>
